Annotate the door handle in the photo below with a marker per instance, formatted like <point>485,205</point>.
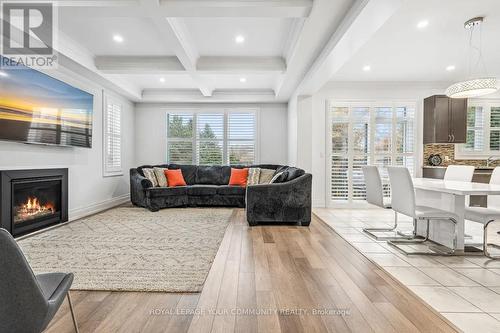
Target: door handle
<point>453,138</point>
<point>449,137</point>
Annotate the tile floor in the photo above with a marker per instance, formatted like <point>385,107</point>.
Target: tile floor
<point>465,290</point>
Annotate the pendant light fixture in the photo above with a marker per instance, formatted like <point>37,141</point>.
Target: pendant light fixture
<point>475,85</point>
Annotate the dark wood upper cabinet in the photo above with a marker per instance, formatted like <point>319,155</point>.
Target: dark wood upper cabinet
<point>445,119</point>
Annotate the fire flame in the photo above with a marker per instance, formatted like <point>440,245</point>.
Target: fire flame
<point>33,206</point>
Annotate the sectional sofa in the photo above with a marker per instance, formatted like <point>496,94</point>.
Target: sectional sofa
<point>288,199</point>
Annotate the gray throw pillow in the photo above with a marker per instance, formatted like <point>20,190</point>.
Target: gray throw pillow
<point>276,177</point>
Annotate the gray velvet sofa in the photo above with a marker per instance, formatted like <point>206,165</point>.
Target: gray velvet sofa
<point>288,200</point>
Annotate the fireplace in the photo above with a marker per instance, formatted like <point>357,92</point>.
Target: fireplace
<point>33,199</point>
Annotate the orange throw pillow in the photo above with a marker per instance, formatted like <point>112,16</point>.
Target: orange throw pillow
<point>239,177</point>
<point>175,178</point>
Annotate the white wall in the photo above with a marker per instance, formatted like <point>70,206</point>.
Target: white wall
<point>150,126</point>
<point>89,191</point>
<point>315,128</point>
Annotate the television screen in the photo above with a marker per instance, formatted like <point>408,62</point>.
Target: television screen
<point>37,108</point>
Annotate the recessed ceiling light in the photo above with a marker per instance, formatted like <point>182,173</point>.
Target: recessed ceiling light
<point>3,74</point>
<point>450,68</point>
<point>422,24</point>
<point>162,80</point>
<point>239,39</point>
<point>367,68</point>
<point>118,38</point>
<point>243,79</point>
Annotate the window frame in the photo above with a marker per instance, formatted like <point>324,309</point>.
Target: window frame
<point>460,152</point>
<point>372,155</point>
<point>225,140</point>
<point>110,171</point>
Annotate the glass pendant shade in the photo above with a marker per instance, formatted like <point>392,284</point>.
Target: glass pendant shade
<point>472,88</point>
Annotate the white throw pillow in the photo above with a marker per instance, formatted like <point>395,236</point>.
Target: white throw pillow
<point>150,175</point>
<point>160,177</point>
<point>266,175</point>
<point>253,176</point>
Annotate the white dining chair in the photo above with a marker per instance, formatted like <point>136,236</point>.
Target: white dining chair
<point>488,215</point>
<point>459,173</point>
<point>403,202</point>
<point>375,196</point>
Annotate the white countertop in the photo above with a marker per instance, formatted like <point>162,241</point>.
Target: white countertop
<point>456,188</point>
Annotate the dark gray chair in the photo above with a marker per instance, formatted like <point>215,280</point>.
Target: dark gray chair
<point>28,301</point>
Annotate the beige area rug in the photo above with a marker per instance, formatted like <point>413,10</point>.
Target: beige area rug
<point>132,249</point>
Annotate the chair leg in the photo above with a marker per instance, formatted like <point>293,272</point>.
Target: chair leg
<point>397,243</point>
<point>371,231</point>
<point>72,312</point>
<point>485,242</point>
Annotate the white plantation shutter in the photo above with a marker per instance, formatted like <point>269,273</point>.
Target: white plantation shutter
<point>241,138</point>
<point>475,129</point>
<point>367,135</point>
<point>180,141</point>
<point>112,138</point>
<point>483,130</point>
<point>495,128</point>
<point>212,138</point>
<point>340,147</point>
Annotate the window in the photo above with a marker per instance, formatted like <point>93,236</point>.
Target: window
<point>483,131</point>
<point>112,138</point>
<point>211,138</point>
<point>365,134</point>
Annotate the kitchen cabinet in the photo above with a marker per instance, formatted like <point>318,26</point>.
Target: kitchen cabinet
<point>445,119</point>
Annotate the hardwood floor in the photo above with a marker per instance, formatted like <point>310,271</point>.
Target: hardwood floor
<point>267,279</point>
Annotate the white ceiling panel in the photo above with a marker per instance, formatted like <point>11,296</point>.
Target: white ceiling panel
<point>216,36</point>
<point>140,37</point>
<point>400,51</point>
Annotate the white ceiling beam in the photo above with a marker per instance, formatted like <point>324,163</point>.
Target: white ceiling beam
<point>177,36</point>
<point>358,27</point>
<point>237,8</point>
<point>190,8</point>
<point>218,96</point>
<point>97,3</point>
<point>138,64</point>
<point>293,38</point>
<point>240,65</point>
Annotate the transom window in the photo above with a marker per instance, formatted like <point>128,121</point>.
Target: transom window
<point>483,131</point>
<point>367,134</point>
<point>212,137</point>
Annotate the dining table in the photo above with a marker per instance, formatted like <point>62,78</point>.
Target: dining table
<point>450,196</point>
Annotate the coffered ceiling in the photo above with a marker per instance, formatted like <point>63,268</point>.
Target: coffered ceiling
<point>200,50</point>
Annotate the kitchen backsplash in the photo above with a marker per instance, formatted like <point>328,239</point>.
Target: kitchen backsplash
<point>449,150</point>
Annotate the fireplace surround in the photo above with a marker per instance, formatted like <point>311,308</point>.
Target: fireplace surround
<point>33,199</point>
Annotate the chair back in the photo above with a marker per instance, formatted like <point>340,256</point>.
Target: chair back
<point>23,307</point>
<point>374,190</point>
<point>403,192</point>
<point>459,173</point>
<point>493,201</point>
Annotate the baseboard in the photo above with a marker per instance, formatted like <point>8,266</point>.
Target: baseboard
<point>79,213</point>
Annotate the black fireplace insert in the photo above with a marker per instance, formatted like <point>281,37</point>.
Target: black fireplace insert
<point>33,199</point>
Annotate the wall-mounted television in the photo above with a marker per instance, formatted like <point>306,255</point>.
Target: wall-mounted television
<point>36,108</point>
